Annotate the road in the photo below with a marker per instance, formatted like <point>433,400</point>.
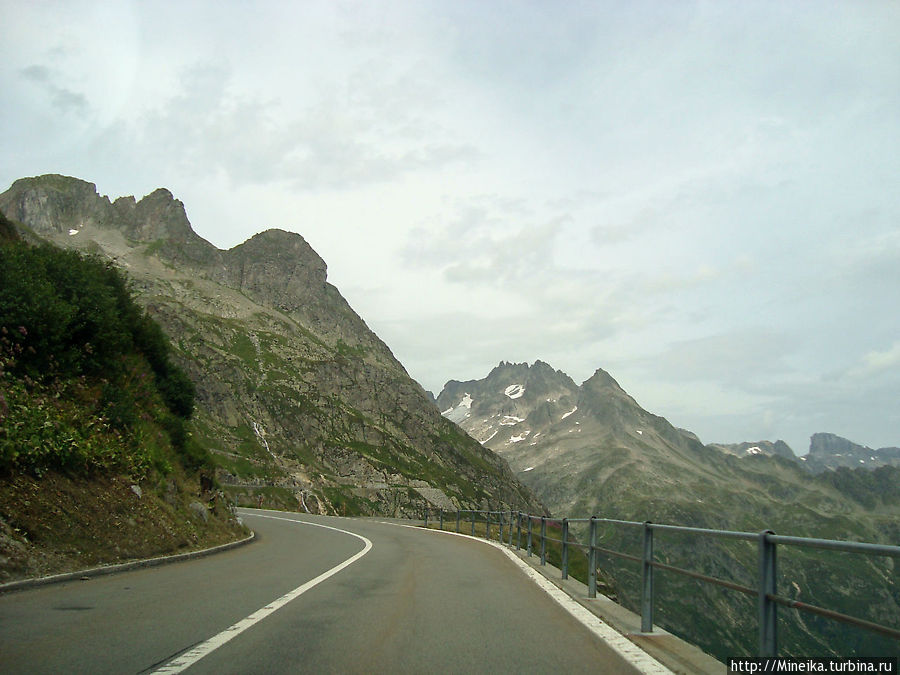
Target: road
<point>410,601</point>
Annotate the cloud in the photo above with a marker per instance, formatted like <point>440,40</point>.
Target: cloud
<point>877,362</point>
<point>700,198</point>
<point>210,125</point>
<point>62,98</point>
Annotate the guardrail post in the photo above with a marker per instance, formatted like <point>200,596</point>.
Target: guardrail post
<point>473,522</point>
<point>442,519</point>
<point>529,534</point>
<point>510,527</point>
<point>565,548</point>
<point>487,527</point>
<point>768,617</point>
<point>647,579</point>
<point>426,516</point>
<point>543,540</point>
<point>592,560</point>
<point>518,530</point>
<point>500,515</point>
<point>457,520</point>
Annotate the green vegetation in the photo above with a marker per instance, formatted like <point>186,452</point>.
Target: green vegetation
<point>86,379</point>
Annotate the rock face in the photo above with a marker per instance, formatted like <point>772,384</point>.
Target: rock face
<point>591,449</point>
<point>299,401</point>
<point>828,451</point>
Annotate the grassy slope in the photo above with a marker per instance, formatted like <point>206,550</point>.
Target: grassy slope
<point>95,467</point>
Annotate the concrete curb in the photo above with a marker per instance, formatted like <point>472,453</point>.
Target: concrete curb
<point>24,584</point>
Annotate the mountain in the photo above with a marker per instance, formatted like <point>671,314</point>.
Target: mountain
<point>591,449</point>
<point>747,449</point>
<point>828,451</point>
<point>299,402</point>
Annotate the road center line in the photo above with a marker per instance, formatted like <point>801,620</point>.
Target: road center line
<point>193,655</point>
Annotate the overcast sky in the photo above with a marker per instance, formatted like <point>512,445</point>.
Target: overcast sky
<point>702,198</point>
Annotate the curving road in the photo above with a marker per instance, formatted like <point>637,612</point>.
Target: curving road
<point>365,597</point>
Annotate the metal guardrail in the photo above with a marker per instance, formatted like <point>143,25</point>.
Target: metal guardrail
<point>767,541</point>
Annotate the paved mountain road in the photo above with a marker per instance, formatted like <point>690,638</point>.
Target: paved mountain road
<point>416,602</point>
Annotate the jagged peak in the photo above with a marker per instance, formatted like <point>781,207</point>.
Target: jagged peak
<point>283,249</point>
<point>601,380</point>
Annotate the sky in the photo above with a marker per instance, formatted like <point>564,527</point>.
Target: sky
<point>701,198</point>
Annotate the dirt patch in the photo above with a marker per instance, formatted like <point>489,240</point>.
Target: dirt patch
<point>57,523</point>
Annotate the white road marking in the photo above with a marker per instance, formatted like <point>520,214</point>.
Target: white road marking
<point>191,656</point>
<point>620,644</point>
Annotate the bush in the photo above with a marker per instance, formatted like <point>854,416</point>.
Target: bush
<point>84,370</point>
<point>71,315</point>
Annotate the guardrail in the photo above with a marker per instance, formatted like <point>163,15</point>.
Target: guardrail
<point>767,541</point>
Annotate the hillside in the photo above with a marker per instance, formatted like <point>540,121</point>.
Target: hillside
<point>591,449</point>
<point>301,405</point>
<point>96,461</point>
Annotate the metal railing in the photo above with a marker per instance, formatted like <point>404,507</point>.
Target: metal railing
<point>767,541</point>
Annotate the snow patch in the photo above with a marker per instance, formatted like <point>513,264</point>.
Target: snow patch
<point>515,390</point>
<point>640,432</point>
<point>489,437</point>
<point>73,232</point>
<point>519,439</point>
<point>530,468</point>
<point>565,415</point>
<point>510,420</point>
<point>755,450</point>
<point>460,411</point>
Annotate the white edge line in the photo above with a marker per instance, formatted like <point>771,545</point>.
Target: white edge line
<point>190,657</point>
<point>624,647</point>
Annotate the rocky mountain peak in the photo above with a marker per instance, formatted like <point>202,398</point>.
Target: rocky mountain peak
<point>278,267</point>
<point>158,216</point>
<point>53,203</point>
<point>601,381</point>
<point>828,444</point>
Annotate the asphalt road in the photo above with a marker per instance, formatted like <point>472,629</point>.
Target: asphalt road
<point>414,602</point>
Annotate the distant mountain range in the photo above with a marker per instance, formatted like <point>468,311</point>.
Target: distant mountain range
<point>301,404</point>
<point>591,449</point>
<point>826,451</point>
